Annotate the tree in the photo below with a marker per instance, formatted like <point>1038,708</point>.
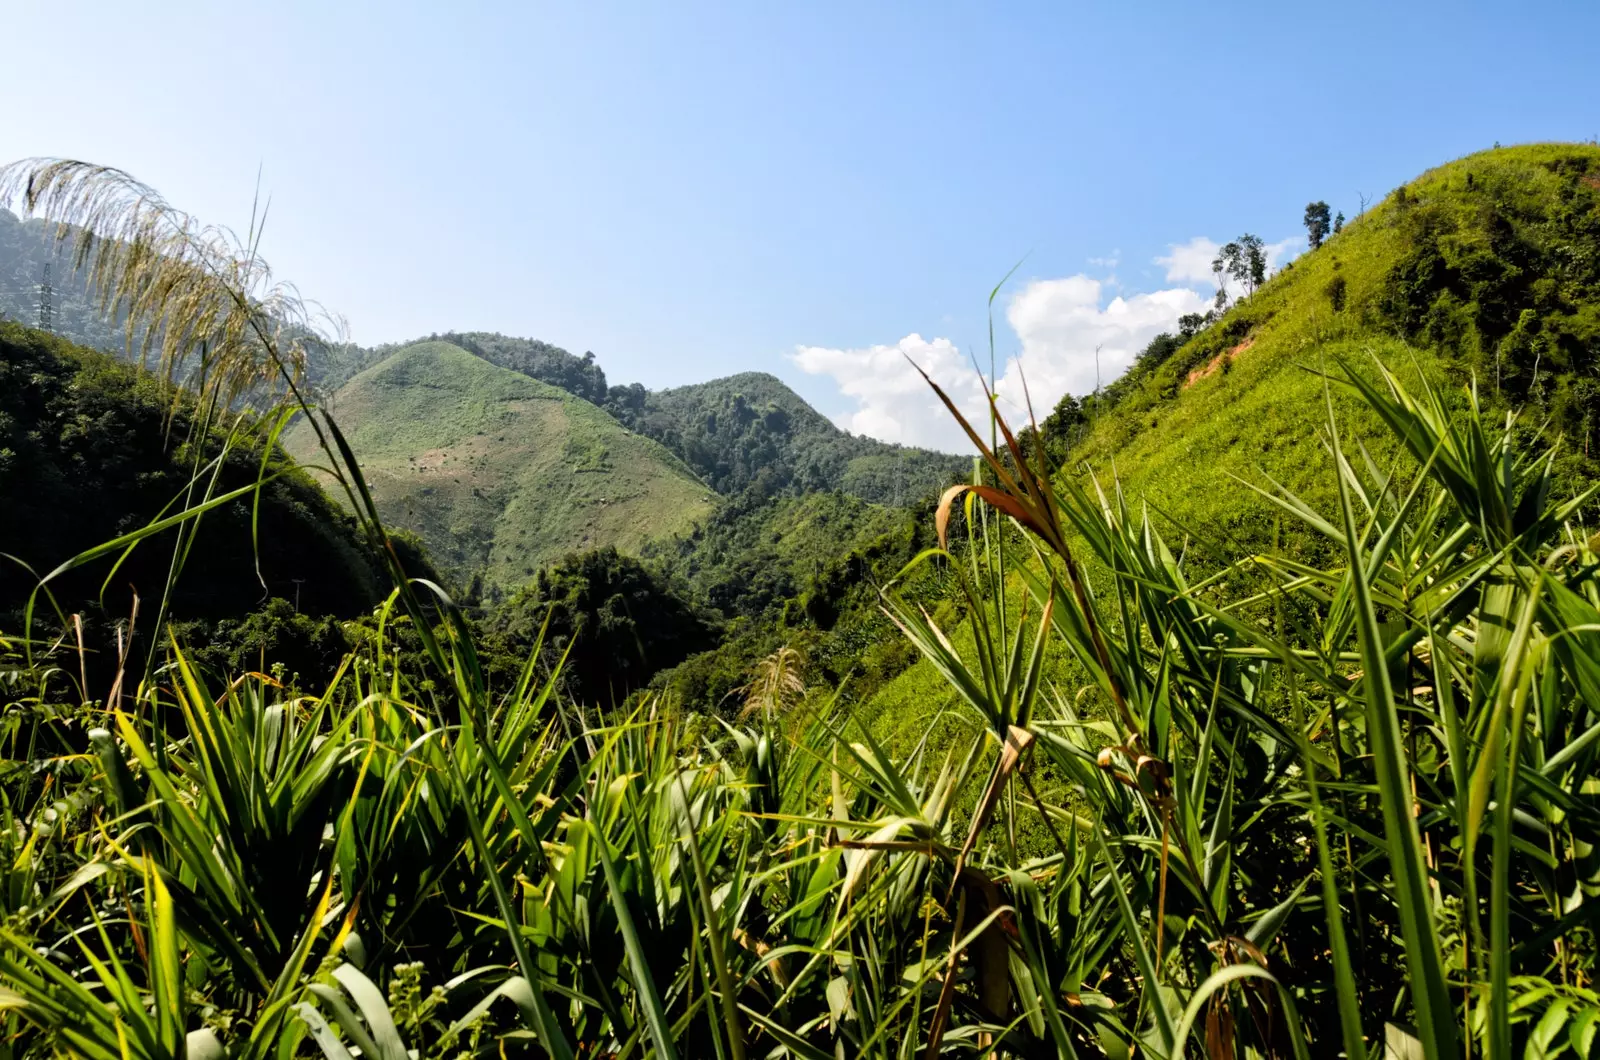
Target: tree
<point>1190,324</point>
<point>1317,223</point>
<point>1338,223</point>
<point>1063,426</point>
<point>1221,268</point>
<point>1255,261</point>
<point>622,621</point>
<point>1245,260</point>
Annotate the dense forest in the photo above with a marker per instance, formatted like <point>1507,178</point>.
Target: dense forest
<point>1248,706</point>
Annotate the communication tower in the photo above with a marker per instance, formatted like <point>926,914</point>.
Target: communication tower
<point>46,300</point>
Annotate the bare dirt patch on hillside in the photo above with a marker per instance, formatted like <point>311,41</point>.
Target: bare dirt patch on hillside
<point>1215,365</point>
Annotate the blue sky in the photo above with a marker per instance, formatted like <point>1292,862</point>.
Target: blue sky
<point>691,190</point>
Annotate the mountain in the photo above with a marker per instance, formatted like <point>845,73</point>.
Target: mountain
<point>1482,271</point>
<point>26,247</point>
<point>499,473</point>
<point>740,432</point>
<point>751,430</point>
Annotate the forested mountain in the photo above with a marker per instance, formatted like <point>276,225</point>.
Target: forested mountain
<point>26,248</point>
<point>751,430</point>
<point>92,449</point>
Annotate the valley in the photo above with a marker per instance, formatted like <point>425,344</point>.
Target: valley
<point>683,722</point>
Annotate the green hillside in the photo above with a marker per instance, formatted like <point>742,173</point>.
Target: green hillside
<point>745,431</point>
<point>499,473</point>
<point>92,449</point>
<point>1487,267</point>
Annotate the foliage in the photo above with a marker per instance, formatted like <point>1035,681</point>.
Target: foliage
<point>1317,223</point>
<point>1502,270</point>
<point>616,623</point>
<point>756,552</point>
<point>1225,793</point>
<point>91,449</point>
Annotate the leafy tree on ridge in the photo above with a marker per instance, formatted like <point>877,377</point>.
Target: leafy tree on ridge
<point>1317,223</point>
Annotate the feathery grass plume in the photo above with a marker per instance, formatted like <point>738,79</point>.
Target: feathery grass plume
<point>777,684</point>
<point>198,303</point>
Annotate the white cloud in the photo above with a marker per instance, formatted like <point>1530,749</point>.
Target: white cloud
<point>1190,262</point>
<point>893,403</point>
<point>1062,324</point>
<point>1284,251</point>
<point>1059,322</point>
<point>1075,333</point>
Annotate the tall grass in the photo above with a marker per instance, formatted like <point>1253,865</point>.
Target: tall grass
<point>1282,810</point>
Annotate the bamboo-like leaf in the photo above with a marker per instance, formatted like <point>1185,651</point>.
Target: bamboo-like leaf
<point>1435,1018</point>
<point>643,975</point>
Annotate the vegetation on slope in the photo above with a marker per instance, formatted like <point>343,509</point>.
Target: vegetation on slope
<point>1210,412</point>
<point>500,474</point>
<point>92,449</point>
<point>759,552</point>
<point>750,430</point>
<point>1486,268</point>
<point>744,432</point>
<point>604,620</point>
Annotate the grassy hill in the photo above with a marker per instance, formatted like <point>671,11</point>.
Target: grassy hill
<point>499,473</point>
<point>1487,267</point>
<point>741,432</point>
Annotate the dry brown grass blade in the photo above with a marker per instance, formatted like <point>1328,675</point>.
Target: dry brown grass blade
<point>947,989</point>
<point>1037,500</point>
<point>990,952</point>
<point>1017,742</point>
<point>988,455</point>
<point>941,516</point>
<point>1005,502</point>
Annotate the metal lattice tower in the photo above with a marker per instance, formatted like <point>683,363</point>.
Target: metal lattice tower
<point>46,300</point>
